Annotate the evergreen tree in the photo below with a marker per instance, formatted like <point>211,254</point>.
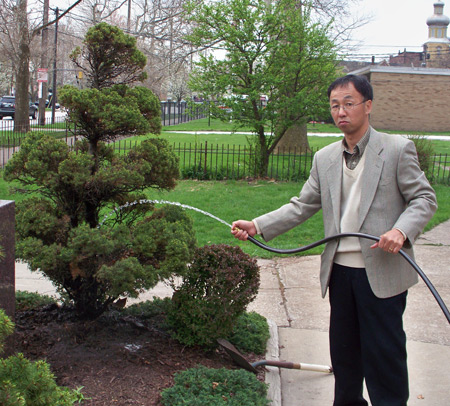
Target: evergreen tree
<point>59,228</point>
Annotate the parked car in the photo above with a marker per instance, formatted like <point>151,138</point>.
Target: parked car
<point>48,104</point>
<point>8,107</point>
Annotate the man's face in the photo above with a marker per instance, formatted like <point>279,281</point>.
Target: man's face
<point>349,110</point>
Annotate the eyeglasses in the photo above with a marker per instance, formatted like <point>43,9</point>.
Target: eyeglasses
<point>349,106</point>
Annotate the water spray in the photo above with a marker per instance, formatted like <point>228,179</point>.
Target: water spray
<point>146,201</point>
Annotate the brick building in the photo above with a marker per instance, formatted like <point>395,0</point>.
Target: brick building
<point>409,98</point>
<point>405,58</point>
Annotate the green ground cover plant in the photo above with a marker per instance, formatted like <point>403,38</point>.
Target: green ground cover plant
<point>250,333</point>
<point>32,300</point>
<point>216,387</point>
<point>27,383</point>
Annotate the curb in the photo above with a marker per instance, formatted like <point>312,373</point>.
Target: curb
<point>273,377</point>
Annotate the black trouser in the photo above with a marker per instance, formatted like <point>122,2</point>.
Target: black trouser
<point>367,341</point>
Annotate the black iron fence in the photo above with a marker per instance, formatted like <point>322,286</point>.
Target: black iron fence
<point>220,162</point>
<point>180,112</point>
<point>171,113</point>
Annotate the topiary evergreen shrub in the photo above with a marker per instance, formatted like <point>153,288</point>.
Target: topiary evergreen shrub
<point>6,328</point>
<point>202,386</point>
<point>220,283</point>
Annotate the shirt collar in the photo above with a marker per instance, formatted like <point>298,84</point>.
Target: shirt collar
<point>360,146</point>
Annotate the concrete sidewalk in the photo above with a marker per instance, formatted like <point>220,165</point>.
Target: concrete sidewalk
<point>290,299</point>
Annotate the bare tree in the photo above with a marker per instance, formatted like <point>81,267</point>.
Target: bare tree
<point>17,34</point>
<point>92,12</point>
<point>19,39</point>
<point>161,30</point>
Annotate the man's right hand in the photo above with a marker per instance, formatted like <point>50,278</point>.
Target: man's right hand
<point>241,229</point>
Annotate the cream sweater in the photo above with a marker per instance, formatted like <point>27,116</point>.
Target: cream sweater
<point>349,249</point>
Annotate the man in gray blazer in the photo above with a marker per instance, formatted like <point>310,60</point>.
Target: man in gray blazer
<point>369,182</point>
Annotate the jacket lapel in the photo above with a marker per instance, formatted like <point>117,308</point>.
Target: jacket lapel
<point>334,177</point>
<point>372,172</point>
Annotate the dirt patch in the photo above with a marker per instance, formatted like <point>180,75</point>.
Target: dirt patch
<point>117,359</point>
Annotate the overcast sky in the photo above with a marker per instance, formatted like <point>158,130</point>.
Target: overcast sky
<point>395,25</point>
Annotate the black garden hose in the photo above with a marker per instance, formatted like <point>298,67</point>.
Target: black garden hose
<point>368,237</point>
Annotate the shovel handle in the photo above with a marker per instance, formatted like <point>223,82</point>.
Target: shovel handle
<point>291,365</point>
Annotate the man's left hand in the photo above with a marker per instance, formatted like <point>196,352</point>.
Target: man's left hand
<point>391,242</point>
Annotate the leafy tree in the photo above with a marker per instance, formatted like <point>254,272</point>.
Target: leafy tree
<point>273,49</point>
<point>59,229</point>
<point>108,57</point>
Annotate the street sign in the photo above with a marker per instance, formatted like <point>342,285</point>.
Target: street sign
<point>42,75</point>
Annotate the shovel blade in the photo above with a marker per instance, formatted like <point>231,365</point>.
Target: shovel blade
<point>236,356</point>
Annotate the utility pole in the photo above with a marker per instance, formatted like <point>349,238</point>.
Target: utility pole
<point>54,66</point>
<point>44,64</point>
<point>129,17</point>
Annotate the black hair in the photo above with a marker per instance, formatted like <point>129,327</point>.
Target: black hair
<point>362,85</point>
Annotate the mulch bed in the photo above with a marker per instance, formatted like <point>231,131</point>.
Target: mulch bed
<point>117,359</point>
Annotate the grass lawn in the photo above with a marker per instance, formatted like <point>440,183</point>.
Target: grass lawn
<point>241,200</point>
<point>206,124</point>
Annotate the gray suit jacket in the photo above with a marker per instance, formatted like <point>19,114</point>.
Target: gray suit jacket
<point>395,193</point>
